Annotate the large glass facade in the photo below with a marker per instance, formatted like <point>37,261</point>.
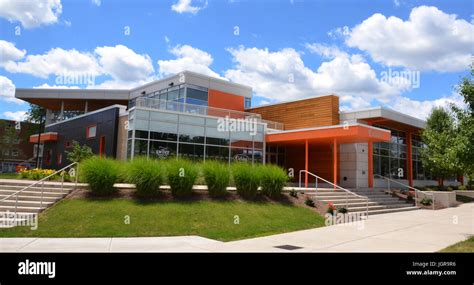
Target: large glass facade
<point>162,134</point>
<point>390,158</point>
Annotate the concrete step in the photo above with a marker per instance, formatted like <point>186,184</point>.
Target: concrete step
<point>392,210</point>
<point>34,193</point>
<point>378,207</point>
<point>335,197</point>
<point>21,209</point>
<point>50,184</point>
<point>27,203</point>
<point>36,188</point>
<point>23,197</point>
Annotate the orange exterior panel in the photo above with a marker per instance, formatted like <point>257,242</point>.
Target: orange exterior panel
<point>218,99</point>
<point>343,134</point>
<point>44,137</point>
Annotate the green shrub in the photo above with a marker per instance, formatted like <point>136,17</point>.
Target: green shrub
<point>309,202</point>
<point>342,210</point>
<point>146,174</point>
<point>181,175</point>
<point>246,179</point>
<point>462,187</point>
<point>449,188</point>
<point>426,201</point>
<point>293,193</point>
<point>272,179</point>
<point>217,177</point>
<point>100,174</point>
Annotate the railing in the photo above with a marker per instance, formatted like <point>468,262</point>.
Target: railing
<point>409,187</point>
<point>61,171</point>
<point>193,108</point>
<point>174,106</point>
<point>348,192</point>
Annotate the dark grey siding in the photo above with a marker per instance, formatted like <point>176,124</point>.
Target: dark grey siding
<point>75,130</point>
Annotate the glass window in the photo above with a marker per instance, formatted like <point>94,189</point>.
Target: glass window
<point>191,151</point>
<point>173,94</point>
<point>163,136</point>
<point>190,133</point>
<point>141,148</point>
<point>239,154</point>
<point>248,103</point>
<point>217,141</point>
<point>91,132</point>
<point>196,95</point>
<point>162,150</point>
<point>141,134</point>
<point>217,153</point>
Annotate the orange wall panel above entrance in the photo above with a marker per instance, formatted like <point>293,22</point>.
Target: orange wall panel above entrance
<point>219,99</point>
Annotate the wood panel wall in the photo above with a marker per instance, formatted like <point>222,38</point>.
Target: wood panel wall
<point>312,112</point>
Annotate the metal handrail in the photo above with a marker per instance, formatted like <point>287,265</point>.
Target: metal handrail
<point>17,193</point>
<point>409,187</point>
<point>336,186</point>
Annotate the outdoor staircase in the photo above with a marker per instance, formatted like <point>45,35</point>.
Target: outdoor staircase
<point>30,201</point>
<point>378,202</point>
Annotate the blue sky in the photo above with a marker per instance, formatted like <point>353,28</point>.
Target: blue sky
<point>283,49</point>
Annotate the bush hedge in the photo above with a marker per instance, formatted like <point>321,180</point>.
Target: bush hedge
<point>246,179</point>
<point>101,174</point>
<point>273,179</point>
<point>217,177</point>
<point>146,174</point>
<point>181,174</point>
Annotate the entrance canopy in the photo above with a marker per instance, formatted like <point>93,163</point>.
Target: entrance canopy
<point>353,133</point>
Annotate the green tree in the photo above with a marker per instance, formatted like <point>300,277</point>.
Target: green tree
<point>464,142</point>
<point>79,153</point>
<point>35,114</point>
<point>440,155</point>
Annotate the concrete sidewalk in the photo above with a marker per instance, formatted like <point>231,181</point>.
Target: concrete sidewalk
<point>414,231</point>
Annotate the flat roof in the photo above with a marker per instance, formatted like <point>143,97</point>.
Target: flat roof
<point>382,112</point>
<point>32,95</point>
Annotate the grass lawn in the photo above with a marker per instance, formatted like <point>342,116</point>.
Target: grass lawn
<point>211,219</point>
<point>9,176</point>
<point>463,246</point>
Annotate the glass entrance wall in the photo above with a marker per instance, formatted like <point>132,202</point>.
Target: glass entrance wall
<point>390,158</point>
<point>162,134</point>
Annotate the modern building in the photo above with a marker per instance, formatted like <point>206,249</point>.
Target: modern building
<point>200,117</point>
<point>15,148</point>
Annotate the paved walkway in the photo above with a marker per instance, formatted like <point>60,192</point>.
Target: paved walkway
<point>413,231</point>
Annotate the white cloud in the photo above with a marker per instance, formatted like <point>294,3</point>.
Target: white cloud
<point>7,91</point>
<point>421,109</point>
<point>17,116</point>
<point>31,14</point>
<point>96,2</point>
<point>187,58</point>
<point>282,75</point>
<point>429,40</point>
<point>56,61</point>
<point>9,53</point>
<point>123,64</point>
<point>184,6</point>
